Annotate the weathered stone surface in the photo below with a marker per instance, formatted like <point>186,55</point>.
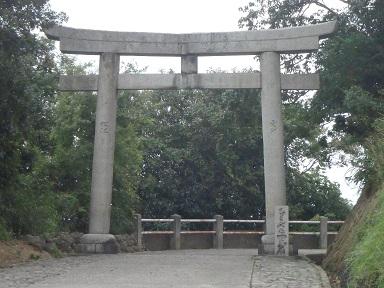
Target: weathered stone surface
<point>273,137</point>
<point>104,147</point>
<point>190,81</point>
<point>322,30</point>
<point>296,45</point>
<point>63,241</point>
<point>128,243</point>
<point>281,239</point>
<point>98,243</point>
<point>268,245</point>
<point>176,239</point>
<point>36,241</point>
<point>323,241</point>
<point>78,83</point>
<point>189,64</point>
<point>219,228</point>
<point>66,242</point>
<point>287,40</point>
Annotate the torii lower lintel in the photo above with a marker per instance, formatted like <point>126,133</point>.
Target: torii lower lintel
<point>190,81</point>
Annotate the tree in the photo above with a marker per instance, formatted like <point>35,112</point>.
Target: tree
<point>27,83</point>
<point>197,160</point>
<point>71,165</point>
<point>203,154</point>
<point>350,63</point>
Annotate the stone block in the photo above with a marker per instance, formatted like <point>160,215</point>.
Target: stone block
<point>36,241</point>
<point>98,243</point>
<point>267,245</point>
<point>281,231</point>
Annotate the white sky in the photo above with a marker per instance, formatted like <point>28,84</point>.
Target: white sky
<point>173,16</point>
<point>163,16</point>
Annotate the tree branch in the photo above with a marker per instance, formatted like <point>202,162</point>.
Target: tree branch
<point>318,3</point>
<point>309,167</point>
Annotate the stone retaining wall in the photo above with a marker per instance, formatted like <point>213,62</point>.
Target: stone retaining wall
<point>157,242</point>
<point>68,243</point>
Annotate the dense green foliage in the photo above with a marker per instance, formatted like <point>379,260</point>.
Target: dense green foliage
<point>28,77</point>
<point>196,153</point>
<point>203,155</point>
<point>71,163</point>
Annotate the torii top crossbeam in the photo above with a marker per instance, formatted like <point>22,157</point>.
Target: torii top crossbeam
<point>286,40</point>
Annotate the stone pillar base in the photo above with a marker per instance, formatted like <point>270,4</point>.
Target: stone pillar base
<point>267,246</point>
<point>98,243</point>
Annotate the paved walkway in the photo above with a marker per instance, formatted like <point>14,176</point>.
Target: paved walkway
<point>181,269</point>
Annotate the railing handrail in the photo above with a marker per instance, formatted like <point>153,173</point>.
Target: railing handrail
<point>235,232</point>
<point>336,222</point>
<point>198,220</point>
<point>243,221</point>
<point>165,220</point>
<point>315,222</point>
<point>157,220</point>
<point>218,230</point>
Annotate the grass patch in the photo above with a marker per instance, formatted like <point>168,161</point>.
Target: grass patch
<point>366,261</point>
<point>4,235</point>
<point>55,252</point>
<point>34,257</point>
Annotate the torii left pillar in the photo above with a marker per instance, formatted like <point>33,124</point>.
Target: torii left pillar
<point>99,240</point>
<point>273,142</point>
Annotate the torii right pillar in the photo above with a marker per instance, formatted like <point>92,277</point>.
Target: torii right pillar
<point>273,142</point>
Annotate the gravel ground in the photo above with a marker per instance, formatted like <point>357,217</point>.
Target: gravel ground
<point>24,275</point>
<point>185,268</point>
<point>292,272</point>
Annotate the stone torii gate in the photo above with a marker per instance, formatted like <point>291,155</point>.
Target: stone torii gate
<point>269,44</point>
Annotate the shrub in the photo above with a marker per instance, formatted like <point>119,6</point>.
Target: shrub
<point>366,262</point>
<point>4,234</point>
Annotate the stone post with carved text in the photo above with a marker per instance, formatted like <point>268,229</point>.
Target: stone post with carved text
<point>281,241</point>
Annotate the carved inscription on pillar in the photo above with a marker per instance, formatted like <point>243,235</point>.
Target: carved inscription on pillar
<point>281,231</point>
<point>105,127</point>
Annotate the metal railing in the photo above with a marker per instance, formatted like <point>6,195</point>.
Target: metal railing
<point>218,228</point>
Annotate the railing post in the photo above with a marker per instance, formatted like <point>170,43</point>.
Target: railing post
<point>139,230</point>
<point>219,228</point>
<point>323,232</point>
<point>176,243</point>
<point>264,225</point>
